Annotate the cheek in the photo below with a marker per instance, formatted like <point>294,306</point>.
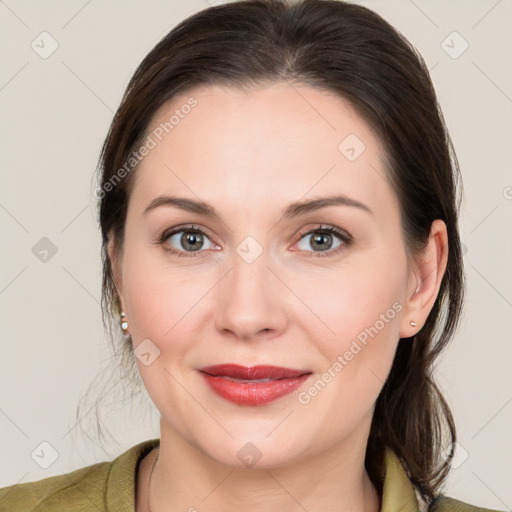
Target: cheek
<point>356,362</point>
<point>160,303</point>
<point>154,295</point>
<point>165,302</point>
<point>161,306</point>
<point>362,296</point>
<point>360,311</point>
<point>365,343</point>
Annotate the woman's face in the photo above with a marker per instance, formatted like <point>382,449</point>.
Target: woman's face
<point>262,284</point>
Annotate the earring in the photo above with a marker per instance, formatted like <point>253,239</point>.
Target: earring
<point>413,323</point>
<point>124,322</point>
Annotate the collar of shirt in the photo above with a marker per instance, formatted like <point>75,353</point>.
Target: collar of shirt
<point>398,493</point>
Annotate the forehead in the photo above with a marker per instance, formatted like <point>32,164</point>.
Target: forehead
<point>278,139</point>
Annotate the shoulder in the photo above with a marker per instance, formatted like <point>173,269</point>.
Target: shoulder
<point>100,487</point>
<point>78,490</point>
<point>445,504</point>
<point>391,471</point>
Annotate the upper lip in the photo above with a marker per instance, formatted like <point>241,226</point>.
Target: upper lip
<point>252,372</point>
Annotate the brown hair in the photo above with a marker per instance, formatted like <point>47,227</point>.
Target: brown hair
<point>351,51</point>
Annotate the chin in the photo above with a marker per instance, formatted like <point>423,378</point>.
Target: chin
<point>255,452</point>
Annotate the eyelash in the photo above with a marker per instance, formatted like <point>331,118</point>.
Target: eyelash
<point>345,238</point>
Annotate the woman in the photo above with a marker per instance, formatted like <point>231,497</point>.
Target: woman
<point>279,217</point>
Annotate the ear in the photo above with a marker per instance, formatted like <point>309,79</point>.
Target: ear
<point>116,266</point>
<point>425,276</point>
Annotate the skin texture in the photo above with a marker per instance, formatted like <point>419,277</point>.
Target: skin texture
<point>250,154</point>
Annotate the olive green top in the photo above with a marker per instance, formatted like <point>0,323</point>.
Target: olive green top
<point>110,487</point>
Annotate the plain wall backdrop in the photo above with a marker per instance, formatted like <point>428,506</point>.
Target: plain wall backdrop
<point>64,67</point>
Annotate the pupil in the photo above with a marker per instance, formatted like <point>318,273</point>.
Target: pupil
<point>318,239</point>
<point>192,240</point>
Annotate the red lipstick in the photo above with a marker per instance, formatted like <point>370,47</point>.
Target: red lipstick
<point>254,385</point>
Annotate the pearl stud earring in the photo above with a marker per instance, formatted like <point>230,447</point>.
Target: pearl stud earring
<point>124,322</point>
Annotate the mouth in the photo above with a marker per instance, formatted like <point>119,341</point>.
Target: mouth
<point>254,385</point>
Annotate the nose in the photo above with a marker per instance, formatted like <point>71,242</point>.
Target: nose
<point>252,302</point>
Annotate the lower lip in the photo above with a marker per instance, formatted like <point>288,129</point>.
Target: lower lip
<point>253,393</point>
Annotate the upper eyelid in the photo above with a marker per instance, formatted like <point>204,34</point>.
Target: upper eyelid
<point>326,227</point>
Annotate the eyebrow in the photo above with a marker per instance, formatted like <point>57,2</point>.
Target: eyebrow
<point>293,210</point>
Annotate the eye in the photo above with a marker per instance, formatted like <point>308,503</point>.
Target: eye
<point>188,239</point>
<point>321,238</point>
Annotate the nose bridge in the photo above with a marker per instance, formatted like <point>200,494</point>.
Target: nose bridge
<point>249,301</point>
<point>250,274</point>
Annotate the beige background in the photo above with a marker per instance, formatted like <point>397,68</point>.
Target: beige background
<point>55,113</point>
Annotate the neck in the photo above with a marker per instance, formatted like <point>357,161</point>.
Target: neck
<point>184,478</point>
